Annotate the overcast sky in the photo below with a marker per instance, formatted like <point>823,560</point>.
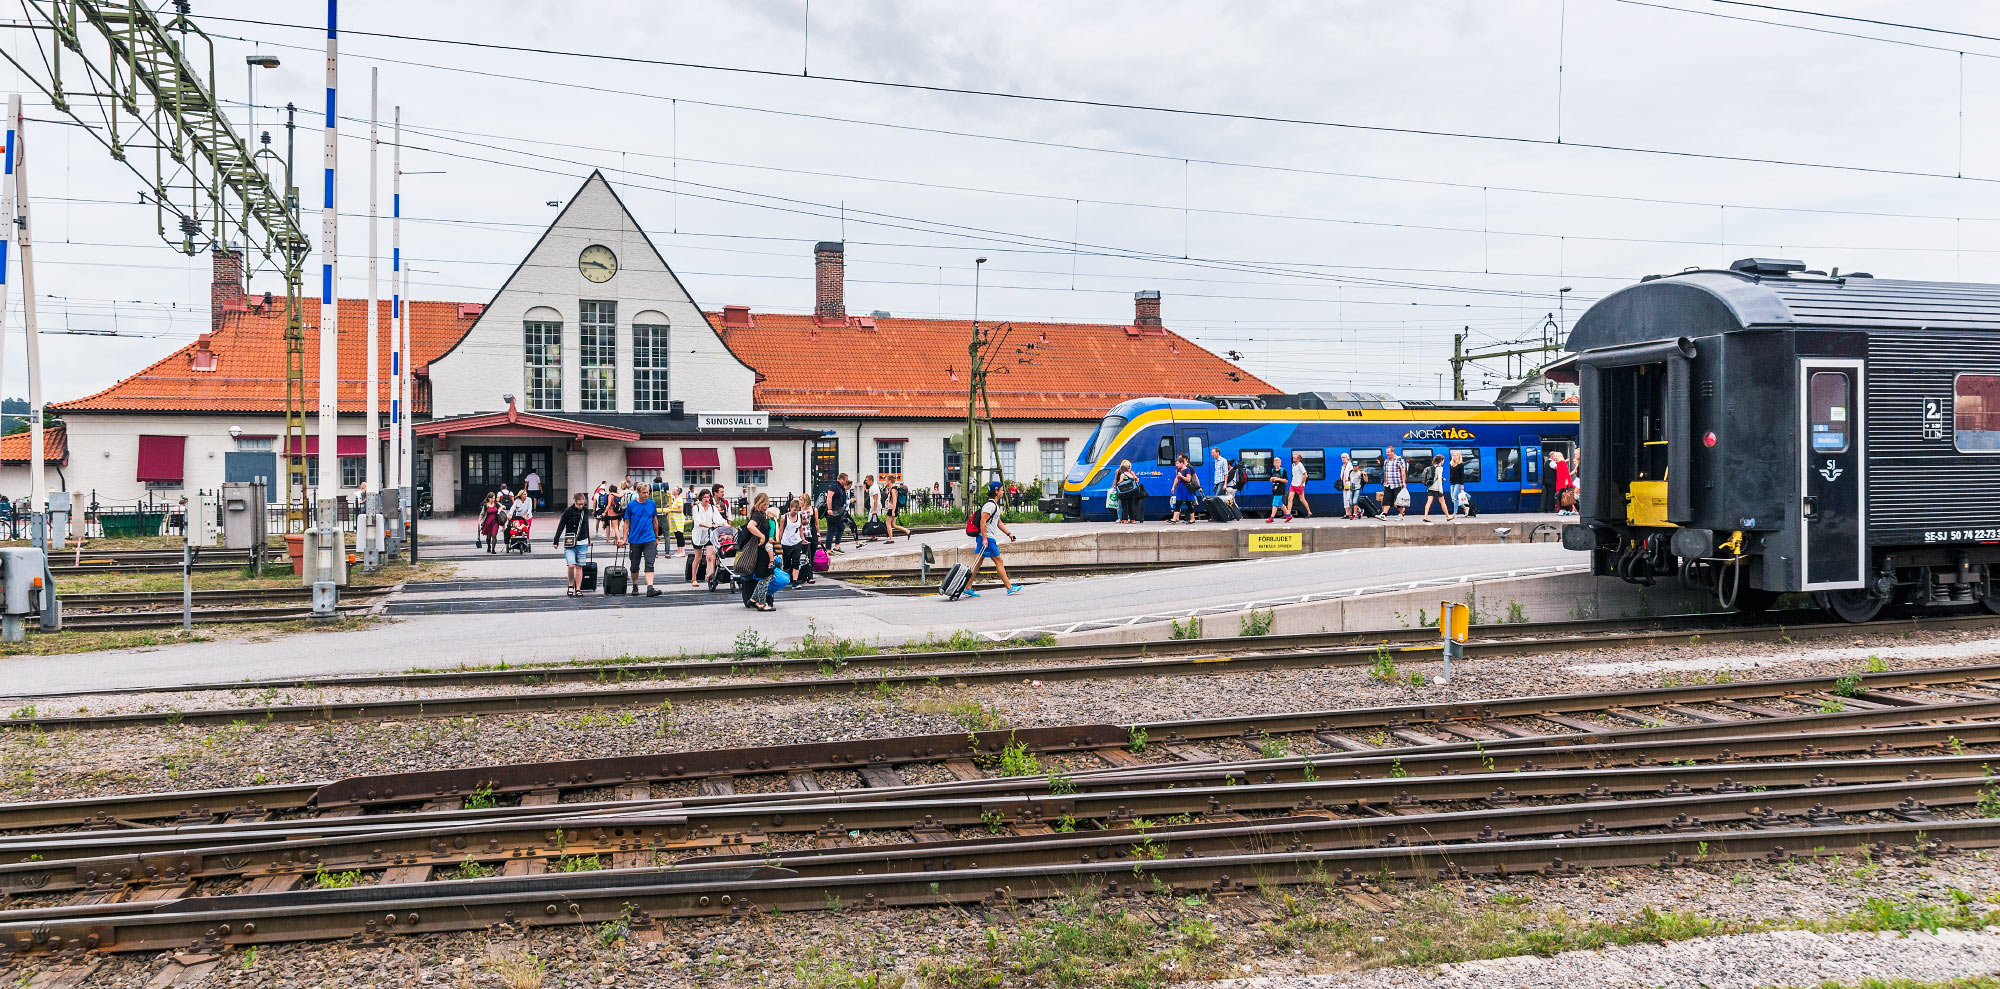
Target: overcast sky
<point>1320,281</point>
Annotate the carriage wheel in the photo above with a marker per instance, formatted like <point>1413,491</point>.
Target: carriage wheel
<point>1854,606</point>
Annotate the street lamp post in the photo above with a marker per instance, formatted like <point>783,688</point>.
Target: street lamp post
<point>251,63</point>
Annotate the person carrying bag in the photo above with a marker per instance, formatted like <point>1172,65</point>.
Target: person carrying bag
<point>573,535</point>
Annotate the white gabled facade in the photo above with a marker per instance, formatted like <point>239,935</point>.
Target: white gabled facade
<point>491,361</point>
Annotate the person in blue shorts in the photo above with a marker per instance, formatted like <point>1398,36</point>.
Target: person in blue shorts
<point>987,543</point>
<point>641,540</point>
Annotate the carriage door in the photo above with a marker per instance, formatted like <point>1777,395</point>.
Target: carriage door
<point>1194,443</point>
<point>1531,474</point>
<point>1832,482</point>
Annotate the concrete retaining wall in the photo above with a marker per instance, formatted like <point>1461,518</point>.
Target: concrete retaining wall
<point>1554,597</point>
<point>1160,543</point>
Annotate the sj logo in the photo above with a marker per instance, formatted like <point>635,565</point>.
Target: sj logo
<point>1831,471</point>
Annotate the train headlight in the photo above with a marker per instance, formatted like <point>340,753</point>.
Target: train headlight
<point>1708,439</point>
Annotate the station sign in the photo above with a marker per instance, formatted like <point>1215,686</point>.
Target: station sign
<point>734,420</point>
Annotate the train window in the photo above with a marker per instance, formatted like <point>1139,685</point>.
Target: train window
<point>1417,458</point>
<point>1166,454</point>
<point>1194,450</point>
<point>1827,411</point>
<point>1370,462</point>
<point>1256,463</point>
<point>1976,413</point>
<point>1468,464</point>
<point>1315,463</point>
<point>1506,463</point>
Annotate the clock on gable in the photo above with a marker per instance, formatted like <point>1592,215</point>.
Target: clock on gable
<point>597,263</point>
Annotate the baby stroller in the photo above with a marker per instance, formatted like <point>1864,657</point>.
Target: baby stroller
<point>724,572</point>
<point>517,535</point>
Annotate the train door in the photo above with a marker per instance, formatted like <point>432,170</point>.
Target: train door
<point>1194,446</point>
<point>1553,445</point>
<point>1530,446</point>
<point>1832,541</point>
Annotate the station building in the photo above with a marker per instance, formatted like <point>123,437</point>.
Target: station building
<point>593,362</point>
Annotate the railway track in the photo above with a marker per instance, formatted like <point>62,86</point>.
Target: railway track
<point>981,840</point>
<point>1743,712</point>
<point>161,609</point>
<point>1266,654</point>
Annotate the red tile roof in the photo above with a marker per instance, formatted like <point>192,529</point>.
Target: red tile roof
<point>917,367</point>
<point>248,357</point>
<point>15,447</point>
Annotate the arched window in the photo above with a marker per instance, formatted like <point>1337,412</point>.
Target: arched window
<point>649,362</point>
<point>541,334</point>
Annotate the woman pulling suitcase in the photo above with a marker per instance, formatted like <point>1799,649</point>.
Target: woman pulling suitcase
<point>573,535</point>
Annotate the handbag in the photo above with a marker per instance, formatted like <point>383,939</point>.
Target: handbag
<point>821,562</point>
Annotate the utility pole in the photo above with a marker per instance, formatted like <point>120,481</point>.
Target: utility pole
<point>1460,357</point>
<point>296,508</point>
<point>974,379</point>
<point>1458,363</point>
<point>38,487</point>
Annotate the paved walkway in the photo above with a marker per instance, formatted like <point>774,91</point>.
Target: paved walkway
<point>686,620</point>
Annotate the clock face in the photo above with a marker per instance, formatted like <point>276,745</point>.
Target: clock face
<point>597,263</point>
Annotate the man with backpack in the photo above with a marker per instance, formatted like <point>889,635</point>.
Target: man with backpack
<point>986,545</point>
<point>837,517</point>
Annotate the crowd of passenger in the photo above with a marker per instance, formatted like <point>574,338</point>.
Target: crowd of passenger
<point>759,544</point>
<point>1388,490</point>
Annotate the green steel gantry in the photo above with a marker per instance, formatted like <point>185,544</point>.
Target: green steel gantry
<point>142,95</point>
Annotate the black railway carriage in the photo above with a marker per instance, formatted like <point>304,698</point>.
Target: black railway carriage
<point>1769,429</point>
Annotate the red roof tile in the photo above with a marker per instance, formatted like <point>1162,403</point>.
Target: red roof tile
<point>917,367</point>
<point>15,447</point>
<point>248,356</point>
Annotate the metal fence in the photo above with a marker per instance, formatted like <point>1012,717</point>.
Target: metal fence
<point>152,518</point>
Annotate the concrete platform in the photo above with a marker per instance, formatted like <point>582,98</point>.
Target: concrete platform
<point>1082,543</point>
<point>512,609</point>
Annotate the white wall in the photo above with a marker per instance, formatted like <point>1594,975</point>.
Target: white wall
<point>923,455</point>
<point>489,362</point>
<point>104,453</point>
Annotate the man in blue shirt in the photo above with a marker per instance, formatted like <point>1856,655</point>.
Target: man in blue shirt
<point>641,537</point>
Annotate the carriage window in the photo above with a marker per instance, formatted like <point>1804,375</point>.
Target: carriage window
<point>1166,454</point>
<point>1418,457</point>
<point>1827,411</point>
<point>1976,413</point>
<point>1257,464</point>
<point>1370,462</point>
<point>1315,461</point>
<point>1507,463</point>
<point>1468,464</point>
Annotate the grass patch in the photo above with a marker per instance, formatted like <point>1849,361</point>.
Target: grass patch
<point>96,640</point>
<point>820,645</point>
<point>1087,943</point>
<point>1259,622</point>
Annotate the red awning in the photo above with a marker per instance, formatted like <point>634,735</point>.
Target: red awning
<point>645,458</point>
<point>700,458</point>
<point>160,457</point>
<point>753,458</point>
<point>347,446</point>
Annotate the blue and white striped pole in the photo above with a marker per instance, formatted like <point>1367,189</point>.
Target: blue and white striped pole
<point>398,452</point>
<point>372,418</point>
<point>7,216</point>
<point>329,299</point>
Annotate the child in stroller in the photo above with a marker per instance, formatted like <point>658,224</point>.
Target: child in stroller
<point>517,535</point>
<point>723,574</point>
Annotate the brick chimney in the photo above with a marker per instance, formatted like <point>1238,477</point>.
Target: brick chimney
<point>225,285</point>
<point>829,279</point>
<point>1146,308</point>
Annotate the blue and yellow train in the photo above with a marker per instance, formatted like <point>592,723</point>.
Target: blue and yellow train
<point>1503,447</point>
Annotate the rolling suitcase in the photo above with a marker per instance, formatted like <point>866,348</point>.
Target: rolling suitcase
<point>1369,506</point>
<point>955,582</point>
<point>1220,510</point>
<point>614,579</point>
<point>589,576</point>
